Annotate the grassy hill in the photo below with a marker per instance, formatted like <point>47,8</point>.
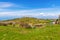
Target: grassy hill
<point>49,32</point>
<point>30,20</point>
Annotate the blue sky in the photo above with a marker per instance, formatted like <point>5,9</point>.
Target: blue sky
<point>31,8</point>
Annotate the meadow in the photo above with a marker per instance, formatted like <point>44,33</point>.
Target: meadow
<point>50,32</point>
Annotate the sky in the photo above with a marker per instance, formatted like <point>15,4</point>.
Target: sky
<point>47,9</point>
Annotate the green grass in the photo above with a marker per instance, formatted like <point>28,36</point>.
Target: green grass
<point>50,32</point>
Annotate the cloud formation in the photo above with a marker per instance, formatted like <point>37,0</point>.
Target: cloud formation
<point>40,13</point>
<point>30,13</point>
<point>6,4</point>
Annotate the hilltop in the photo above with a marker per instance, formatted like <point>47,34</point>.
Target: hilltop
<point>30,20</point>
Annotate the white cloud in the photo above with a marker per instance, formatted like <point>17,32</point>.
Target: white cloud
<point>33,13</point>
<point>6,4</point>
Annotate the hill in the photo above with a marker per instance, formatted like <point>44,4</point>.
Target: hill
<point>49,32</point>
<point>26,22</point>
<point>30,20</point>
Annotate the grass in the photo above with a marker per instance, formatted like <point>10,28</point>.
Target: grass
<point>50,32</point>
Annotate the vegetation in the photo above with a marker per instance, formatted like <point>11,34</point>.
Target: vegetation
<point>49,32</point>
